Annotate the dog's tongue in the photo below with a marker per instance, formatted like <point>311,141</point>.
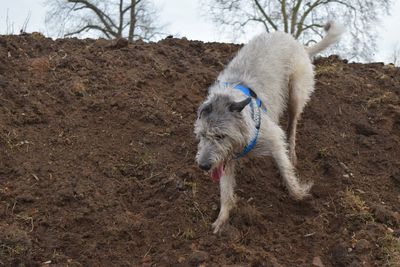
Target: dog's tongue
<point>217,172</point>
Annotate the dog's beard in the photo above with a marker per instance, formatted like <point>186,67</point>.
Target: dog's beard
<point>217,172</point>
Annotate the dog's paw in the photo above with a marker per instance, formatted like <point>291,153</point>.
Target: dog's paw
<point>302,192</point>
<point>218,225</point>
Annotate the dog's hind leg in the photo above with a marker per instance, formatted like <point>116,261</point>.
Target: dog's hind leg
<point>293,116</point>
<point>300,88</point>
<point>228,200</point>
<point>276,146</point>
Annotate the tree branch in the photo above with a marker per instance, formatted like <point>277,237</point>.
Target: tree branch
<point>104,18</point>
<point>86,28</point>
<point>314,25</point>
<point>310,41</point>
<point>267,18</point>
<point>304,19</point>
<point>305,15</point>
<point>295,12</point>
<point>121,18</point>
<point>284,15</point>
<point>126,9</point>
<point>263,22</point>
<point>132,20</point>
<point>244,23</point>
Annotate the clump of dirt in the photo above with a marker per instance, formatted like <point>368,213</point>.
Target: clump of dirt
<point>97,162</point>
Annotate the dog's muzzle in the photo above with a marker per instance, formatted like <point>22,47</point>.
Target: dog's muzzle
<point>205,167</point>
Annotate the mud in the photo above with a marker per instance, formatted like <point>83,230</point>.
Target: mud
<point>97,162</point>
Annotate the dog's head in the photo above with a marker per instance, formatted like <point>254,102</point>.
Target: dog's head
<point>221,131</point>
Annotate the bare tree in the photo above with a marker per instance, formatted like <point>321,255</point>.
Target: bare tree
<point>10,25</point>
<point>26,22</point>
<point>395,55</point>
<point>132,19</point>
<point>304,19</point>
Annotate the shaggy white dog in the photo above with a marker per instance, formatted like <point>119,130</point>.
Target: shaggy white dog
<point>240,116</point>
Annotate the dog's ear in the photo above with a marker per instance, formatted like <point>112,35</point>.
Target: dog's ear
<point>239,106</point>
<point>204,109</point>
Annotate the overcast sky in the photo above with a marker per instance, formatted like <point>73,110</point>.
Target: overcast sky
<point>183,19</point>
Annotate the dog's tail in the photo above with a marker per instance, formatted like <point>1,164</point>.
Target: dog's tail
<point>334,31</point>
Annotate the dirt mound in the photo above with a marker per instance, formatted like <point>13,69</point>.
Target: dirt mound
<point>97,162</point>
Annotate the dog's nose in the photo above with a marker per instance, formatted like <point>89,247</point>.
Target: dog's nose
<point>205,167</point>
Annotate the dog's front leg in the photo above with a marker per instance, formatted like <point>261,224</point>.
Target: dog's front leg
<point>227,185</point>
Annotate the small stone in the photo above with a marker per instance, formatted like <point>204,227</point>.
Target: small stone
<point>389,66</point>
<point>198,257</point>
<point>78,88</point>
<point>385,215</point>
<point>344,166</point>
<point>120,43</point>
<point>362,245</point>
<point>180,185</point>
<point>275,263</point>
<point>146,259</point>
<point>396,177</point>
<point>317,262</point>
<point>384,77</point>
<point>231,232</point>
<point>396,233</point>
<point>365,130</point>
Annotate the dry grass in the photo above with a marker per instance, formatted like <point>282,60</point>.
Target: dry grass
<point>10,139</point>
<point>188,234</point>
<point>385,98</point>
<point>390,246</point>
<point>328,69</point>
<point>324,152</point>
<point>356,207</point>
<point>14,246</point>
<point>160,68</point>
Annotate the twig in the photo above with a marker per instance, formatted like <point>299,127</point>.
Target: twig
<point>35,176</point>
<point>152,176</point>
<point>148,251</point>
<point>12,210</point>
<point>137,181</point>
<point>310,234</point>
<point>201,213</point>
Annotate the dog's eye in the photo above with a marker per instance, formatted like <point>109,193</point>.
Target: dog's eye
<point>219,136</point>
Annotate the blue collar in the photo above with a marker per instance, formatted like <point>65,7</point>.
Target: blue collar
<point>255,114</point>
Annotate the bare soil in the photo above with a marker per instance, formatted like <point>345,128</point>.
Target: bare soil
<point>97,162</point>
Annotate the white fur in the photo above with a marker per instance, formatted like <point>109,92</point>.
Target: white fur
<point>279,70</point>
<point>334,32</point>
